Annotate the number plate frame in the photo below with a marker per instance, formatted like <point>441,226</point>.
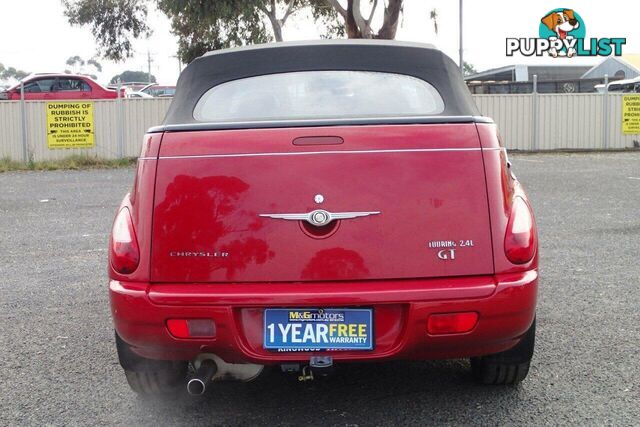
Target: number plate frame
<point>349,337</point>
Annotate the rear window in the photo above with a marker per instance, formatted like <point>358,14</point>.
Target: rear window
<point>319,95</point>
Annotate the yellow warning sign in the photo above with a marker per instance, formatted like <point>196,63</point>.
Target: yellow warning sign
<point>70,125</point>
<point>631,114</point>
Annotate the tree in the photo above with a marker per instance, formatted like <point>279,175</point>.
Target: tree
<point>327,17</point>
<point>133,76</point>
<point>78,66</point>
<point>433,15</point>
<point>75,61</point>
<point>200,26</point>
<point>9,73</point>
<point>204,25</point>
<point>270,9</point>
<point>114,23</point>
<point>359,26</point>
<point>468,69</point>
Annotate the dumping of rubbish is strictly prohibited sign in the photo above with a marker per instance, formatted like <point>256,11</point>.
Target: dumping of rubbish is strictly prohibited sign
<point>70,125</point>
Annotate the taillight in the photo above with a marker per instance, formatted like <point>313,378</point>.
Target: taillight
<point>519,242</point>
<point>124,254</point>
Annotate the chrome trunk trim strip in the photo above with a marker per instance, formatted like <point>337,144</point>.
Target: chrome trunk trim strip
<point>312,153</point>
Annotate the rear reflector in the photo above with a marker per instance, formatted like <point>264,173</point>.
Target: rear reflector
<point>192,328</point>
<point>451,323</point>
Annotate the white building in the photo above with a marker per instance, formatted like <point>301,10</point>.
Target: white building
<point>616,67</point>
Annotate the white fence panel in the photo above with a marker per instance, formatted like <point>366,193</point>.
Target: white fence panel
<point>105,116</point>
<point>570,121</point>
<point>513,115</point>
<point>10,130</point>
<point>139,115</point>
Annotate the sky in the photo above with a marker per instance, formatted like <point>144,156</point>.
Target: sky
<point>43,41</point>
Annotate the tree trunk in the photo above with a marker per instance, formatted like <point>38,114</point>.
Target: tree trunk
<point>353,32</point>
<point>391,18</point>
<point>276,24</point>
<point>277,30</point>
<point>358,27</point>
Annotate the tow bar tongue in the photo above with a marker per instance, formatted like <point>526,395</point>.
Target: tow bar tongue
<point>321,362</point>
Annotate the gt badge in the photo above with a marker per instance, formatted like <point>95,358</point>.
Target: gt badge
<point>447,254</point>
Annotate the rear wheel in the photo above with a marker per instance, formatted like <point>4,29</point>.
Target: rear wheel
<point>147,376</point>
<point>508,367</point>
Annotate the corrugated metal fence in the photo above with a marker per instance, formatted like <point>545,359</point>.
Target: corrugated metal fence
<point>578,121</point>
<point>526,122</point>
<point>119,127</point>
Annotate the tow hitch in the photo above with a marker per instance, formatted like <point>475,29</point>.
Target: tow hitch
<point>319,364</point>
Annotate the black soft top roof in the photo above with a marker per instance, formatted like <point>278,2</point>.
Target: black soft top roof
<point>413,59</point>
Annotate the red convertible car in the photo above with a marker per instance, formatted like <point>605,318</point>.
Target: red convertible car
<point>59,86</point>
<point>345,202</point>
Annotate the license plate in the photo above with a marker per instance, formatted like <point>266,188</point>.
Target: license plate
<point>304,329</point>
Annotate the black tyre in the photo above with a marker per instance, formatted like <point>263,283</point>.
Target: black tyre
<point>508,367</point>
<point>147,376</point>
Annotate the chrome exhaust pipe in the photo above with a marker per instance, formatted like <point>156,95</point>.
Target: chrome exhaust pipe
<point>198,384</point>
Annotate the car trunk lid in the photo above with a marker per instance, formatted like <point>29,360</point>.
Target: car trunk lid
<point>219,192</point>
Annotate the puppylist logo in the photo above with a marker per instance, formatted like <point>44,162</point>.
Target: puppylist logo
<point>562,35</point>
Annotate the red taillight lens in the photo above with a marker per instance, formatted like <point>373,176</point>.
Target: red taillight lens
<point>519,242</point>
<point>451,323</point>
<point>192,328</point>
<point>125,254</point>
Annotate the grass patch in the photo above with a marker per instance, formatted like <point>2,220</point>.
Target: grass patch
<point>72,162</point>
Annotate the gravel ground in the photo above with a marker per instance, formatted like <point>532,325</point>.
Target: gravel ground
<point>58,363</point>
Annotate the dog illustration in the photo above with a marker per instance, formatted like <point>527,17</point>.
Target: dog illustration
<point>561,23</point>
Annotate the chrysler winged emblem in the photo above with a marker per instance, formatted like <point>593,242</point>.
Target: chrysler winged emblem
<point>318,217</point>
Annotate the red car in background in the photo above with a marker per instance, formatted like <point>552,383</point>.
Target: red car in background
<point>59,86</point>
<point>345,203</point>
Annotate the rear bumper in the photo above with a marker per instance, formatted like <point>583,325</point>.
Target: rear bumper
<point>505,304</point>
